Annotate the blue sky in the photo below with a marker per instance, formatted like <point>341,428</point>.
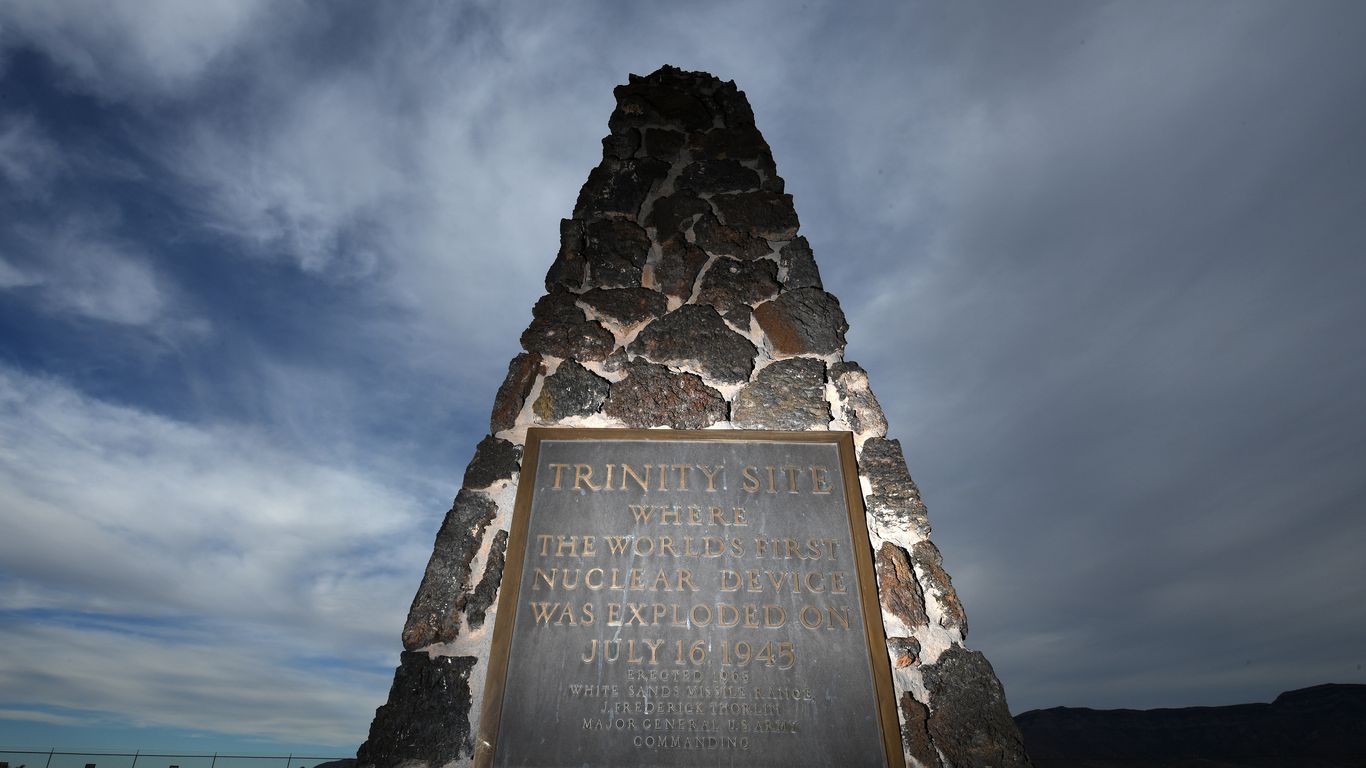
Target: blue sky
<point>262,266</point>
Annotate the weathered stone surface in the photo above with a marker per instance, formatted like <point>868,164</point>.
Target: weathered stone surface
<point>858,404</point>
<point>695,336</point>
<point>763,213</point>
<point>734,107</point>
<point>522,373</point>
<point>894,500</point>
<point>897,587</point>
<point>571,390</point>
<point>494,459</point>
<point>671,215</point>
<point>905,651</point>
<point>626,306</point>
<point>733,143</point>
<point>432,617</point>
<point>615,252</point>
<point>427,716</point>
<point>970,722</point>
<point>621,145</point>
<point>915,734</point>
<point>804,321</point>
<point>663,144</point>
<point>768,170</point>
<point>679,264</point>
<point>616,188</point>
<point>751,281</point>
<point>569,269</point>
<point>729,304</point>
<point>714,176</point>
<point>653,100</point>
<point>936,580</point>
<point>559,327</point>
<point>787,394</point>
<point>653,396</point>
<point>714,237</point>
<point>476,603</point>
<point>799,265</point>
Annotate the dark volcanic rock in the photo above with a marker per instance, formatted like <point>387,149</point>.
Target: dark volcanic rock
<point>494,459</point>
<point>787,394</point>
<point>663,144</point>
<point>714,237</point>
<point>671,215</point>
<point>861,408</point>
<point>626,306</point>
<point>751,281</point>
<point>427,717</point>
<point>730,304</point>
<point>799,265</point>
<point>763,214</point>
<point>621,145</point>
<point>970,722</point>
<point>894,500</point>
<point>915,733</point>
<point>679,264</point>
<point>649,100</point>
<point>695,336</point>
<point>615,252</point>
<point>433,616</point>
<point>935,579</point>
<point>897,586</point>
<point>616,188</point>
<point>476,603</point>
<point>570,269</point>
<point>733,143</point>
<point>734,107</point>
<point>522,372</point>
<point>804,321</point>
<point>559,327</point>
<point>571,390</point>
<point>714,176</point>
<point>1318,727</point>
<point>653,396</point>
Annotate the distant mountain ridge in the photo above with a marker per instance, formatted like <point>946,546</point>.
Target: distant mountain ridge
<point>1318,727</point>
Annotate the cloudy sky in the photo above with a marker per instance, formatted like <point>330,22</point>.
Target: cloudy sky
<point>262,266</point>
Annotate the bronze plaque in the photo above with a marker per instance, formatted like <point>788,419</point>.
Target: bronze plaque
<point>682,598</point>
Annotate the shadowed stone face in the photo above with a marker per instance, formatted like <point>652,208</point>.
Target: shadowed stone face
<point>694,336</point>
<point>969,721</point>
<point>653,396</point>
<point>571,390</point>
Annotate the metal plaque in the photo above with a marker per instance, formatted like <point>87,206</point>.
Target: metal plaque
<point>682,598</point>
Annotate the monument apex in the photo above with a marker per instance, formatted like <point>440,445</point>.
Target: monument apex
<point>686,314</point>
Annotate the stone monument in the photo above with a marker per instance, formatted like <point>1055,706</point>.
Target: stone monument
<point>683,299</point>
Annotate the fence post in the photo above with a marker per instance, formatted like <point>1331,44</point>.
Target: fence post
<point>214,763</point>
<point>135,758</point>
<point>289,760</point>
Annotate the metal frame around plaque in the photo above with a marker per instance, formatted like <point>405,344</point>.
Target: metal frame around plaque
<point>504,632</point>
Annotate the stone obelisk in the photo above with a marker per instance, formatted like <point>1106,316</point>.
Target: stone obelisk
<point>683,297</point>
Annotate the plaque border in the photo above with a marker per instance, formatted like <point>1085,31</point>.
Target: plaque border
<point>495,679</point>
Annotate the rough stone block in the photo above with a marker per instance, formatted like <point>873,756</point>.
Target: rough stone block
<point>970,722</point>
<point>522,373</point>
<point>733,143</point>
<point>571,390</point>
<point>935,579</point>
<point>859,405</point>
<point>671,215</point>
<point>804,321</point>
<point>427,716</point>
<point>716,238</point>
<point>621,145</point>
<point>559,327</point>
<point>893,499</point>
<point>494,459</point>
<point>751,281</point>
<point>787,394</point>
<point>679,264</point>
<point>905,651</point>
<point>799,265</point>
<point>433,617</point>
<point>615,252</point>
<point>616,188</point>
<point>695,336</point>
<point>763,213</point>
<point>714,176</point>
<point>477,602</point>
<point>653,396</point>
<point>898,589</point>
<point>626,306</point>
<point>915,734</point>
<point>663,144</point>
